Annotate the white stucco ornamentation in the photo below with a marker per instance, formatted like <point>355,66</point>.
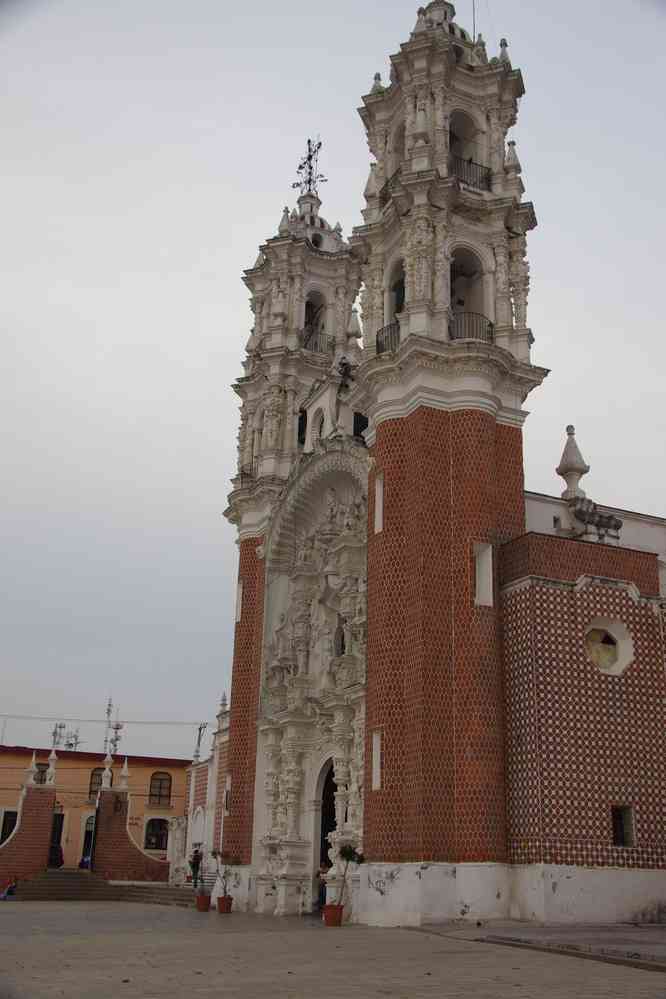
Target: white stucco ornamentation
<point>312,698</point>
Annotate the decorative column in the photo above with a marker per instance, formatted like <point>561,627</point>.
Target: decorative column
<point>497,133</point>
<point>520,280</point>
<point>503,316</point>
<point>442,280</point>
<point>441,130</point>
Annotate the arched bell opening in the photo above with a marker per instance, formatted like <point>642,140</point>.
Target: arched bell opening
<point>471,298</point>
<point>314,323</point>
<point>466,152</point>
<point>388,337</point>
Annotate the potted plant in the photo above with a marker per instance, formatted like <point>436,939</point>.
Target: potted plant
<point>333,910</point>
<point>224,872</point>
<point>203,898</point>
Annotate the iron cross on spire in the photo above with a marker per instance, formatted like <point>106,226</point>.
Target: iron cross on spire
<point>308,170</point>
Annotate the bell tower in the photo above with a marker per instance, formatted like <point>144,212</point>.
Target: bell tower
<point>303,286</point>
<point>445,373</point>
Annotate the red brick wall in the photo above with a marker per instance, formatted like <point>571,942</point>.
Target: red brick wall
<point>26,853</point>
<point>434,665</point>
<point>565,558</point>
<point>579,740</point>
<point>245,686</point>
<point>200,785</point>
<point>117,858</point>
<point>222,771</point>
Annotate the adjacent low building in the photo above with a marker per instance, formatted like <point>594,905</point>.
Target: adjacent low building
<point>157,794</point>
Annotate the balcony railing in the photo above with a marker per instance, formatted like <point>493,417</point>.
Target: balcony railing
<point>316,341</point>
<point>470,173</point>
<point>388,338</point>
<point>471,326</point>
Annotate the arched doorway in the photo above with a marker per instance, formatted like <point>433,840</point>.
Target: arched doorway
<point>88,835</point>
<point>327,815</point>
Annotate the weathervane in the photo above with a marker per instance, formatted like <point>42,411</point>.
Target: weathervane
<point>308,170</point>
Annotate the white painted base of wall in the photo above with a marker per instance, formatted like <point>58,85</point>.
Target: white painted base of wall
<point>418,893</point>
<point>242,888</point>
<point>414,894</point>
<point>549,893</point>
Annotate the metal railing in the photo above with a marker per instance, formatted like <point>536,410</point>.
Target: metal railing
<point>471,326</point>
<point>316,341</point>
<point>470,173</point>
<point>388,338</point>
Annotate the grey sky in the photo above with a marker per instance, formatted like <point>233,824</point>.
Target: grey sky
<point>148,149</point>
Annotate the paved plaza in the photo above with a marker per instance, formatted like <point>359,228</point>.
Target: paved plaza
<point>125,950</point>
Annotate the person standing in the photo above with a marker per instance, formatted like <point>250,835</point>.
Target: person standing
<point>195,865</point>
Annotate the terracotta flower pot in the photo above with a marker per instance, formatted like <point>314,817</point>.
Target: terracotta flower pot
<point>333,915</point>
<point>203,903</point>
<point>224,903</point>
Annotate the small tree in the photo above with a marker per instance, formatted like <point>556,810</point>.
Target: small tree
<point>224,869</point>
<point>350,856</point>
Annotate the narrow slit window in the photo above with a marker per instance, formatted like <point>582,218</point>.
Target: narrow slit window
<point>483,575</point>
<point>379,502</point>
<point>227,794</point>
<point>376,761</point>
<point>622,817</point>
<point>239,600</point>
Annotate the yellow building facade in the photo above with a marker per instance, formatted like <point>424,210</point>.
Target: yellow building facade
<point>157,793</point>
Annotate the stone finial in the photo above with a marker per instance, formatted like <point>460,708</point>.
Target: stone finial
<point>480,49</point>
<point>337,229</point>
<point>124,775</point>
<point>283,228</point>
<point>504,52</point>
<point>371,188</point>
<point>511,162</point>
<point>223,701</point>
<point>31,771</point>
<point>260,261</point>
<point>107,775</point>
<point>377,86</point>
<point>572,467</point>
<point>421,23</point>
<point>294,215</point>
<point>51,772</point>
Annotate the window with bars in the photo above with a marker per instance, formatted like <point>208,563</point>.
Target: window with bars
<point>40,775</point>
<point>160,790</point>
<point>96,781</point>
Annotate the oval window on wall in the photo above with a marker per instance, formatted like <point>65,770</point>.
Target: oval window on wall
<point>609,646</point>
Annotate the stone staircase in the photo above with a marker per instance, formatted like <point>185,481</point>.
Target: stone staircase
<point>83,886</point>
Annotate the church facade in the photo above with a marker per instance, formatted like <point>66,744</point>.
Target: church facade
<point>462,680</point>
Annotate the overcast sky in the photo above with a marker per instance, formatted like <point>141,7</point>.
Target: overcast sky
<point>149,147</point>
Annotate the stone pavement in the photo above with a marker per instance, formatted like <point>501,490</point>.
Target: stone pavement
<point>105,950</point>
<point>631,942</point>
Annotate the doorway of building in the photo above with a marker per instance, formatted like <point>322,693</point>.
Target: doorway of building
<point>327,815</point>
<point>87,841</point>
<point>55,849</point>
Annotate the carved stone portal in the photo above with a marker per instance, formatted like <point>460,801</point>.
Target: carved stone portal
<point>313,689</point>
